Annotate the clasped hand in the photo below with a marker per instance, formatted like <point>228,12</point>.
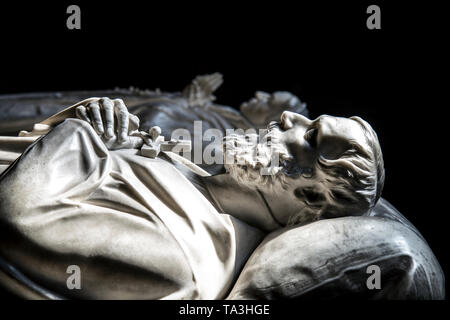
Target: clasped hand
<point>112,121</point>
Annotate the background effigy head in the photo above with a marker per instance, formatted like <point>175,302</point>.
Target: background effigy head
<point>265,107</point>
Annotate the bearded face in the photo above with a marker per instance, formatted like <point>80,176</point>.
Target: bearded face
<point>306,169</point>
<point>256,161</point>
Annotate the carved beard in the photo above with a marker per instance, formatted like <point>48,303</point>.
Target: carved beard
<point>255,164</point>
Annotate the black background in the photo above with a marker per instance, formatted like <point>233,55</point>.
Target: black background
<point>322,52</point>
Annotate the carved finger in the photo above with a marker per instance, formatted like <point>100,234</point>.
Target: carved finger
<point>94,111</point>
<point>108,116</point>
<point>122,117</point>
<point>81,114</point>
<point>134,122</point>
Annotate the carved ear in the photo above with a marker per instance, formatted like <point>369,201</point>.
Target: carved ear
<point>199,92</point>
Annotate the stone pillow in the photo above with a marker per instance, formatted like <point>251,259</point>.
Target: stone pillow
<point>330,259</point>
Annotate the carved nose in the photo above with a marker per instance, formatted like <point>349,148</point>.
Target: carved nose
<point>288,119</point>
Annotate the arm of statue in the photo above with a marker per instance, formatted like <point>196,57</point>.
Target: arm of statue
<point>110,119</point>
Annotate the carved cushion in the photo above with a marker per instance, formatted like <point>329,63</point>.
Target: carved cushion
<point>331,259</point>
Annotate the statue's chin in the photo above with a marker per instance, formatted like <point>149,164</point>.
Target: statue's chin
<point>248,175</point>
<point>249,164</point>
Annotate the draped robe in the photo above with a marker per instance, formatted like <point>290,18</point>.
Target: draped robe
<point>135,226</point>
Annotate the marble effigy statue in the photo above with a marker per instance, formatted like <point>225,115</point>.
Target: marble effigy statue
<point>261,203</point>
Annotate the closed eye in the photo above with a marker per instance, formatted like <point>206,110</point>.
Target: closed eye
<point>311,136</point>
